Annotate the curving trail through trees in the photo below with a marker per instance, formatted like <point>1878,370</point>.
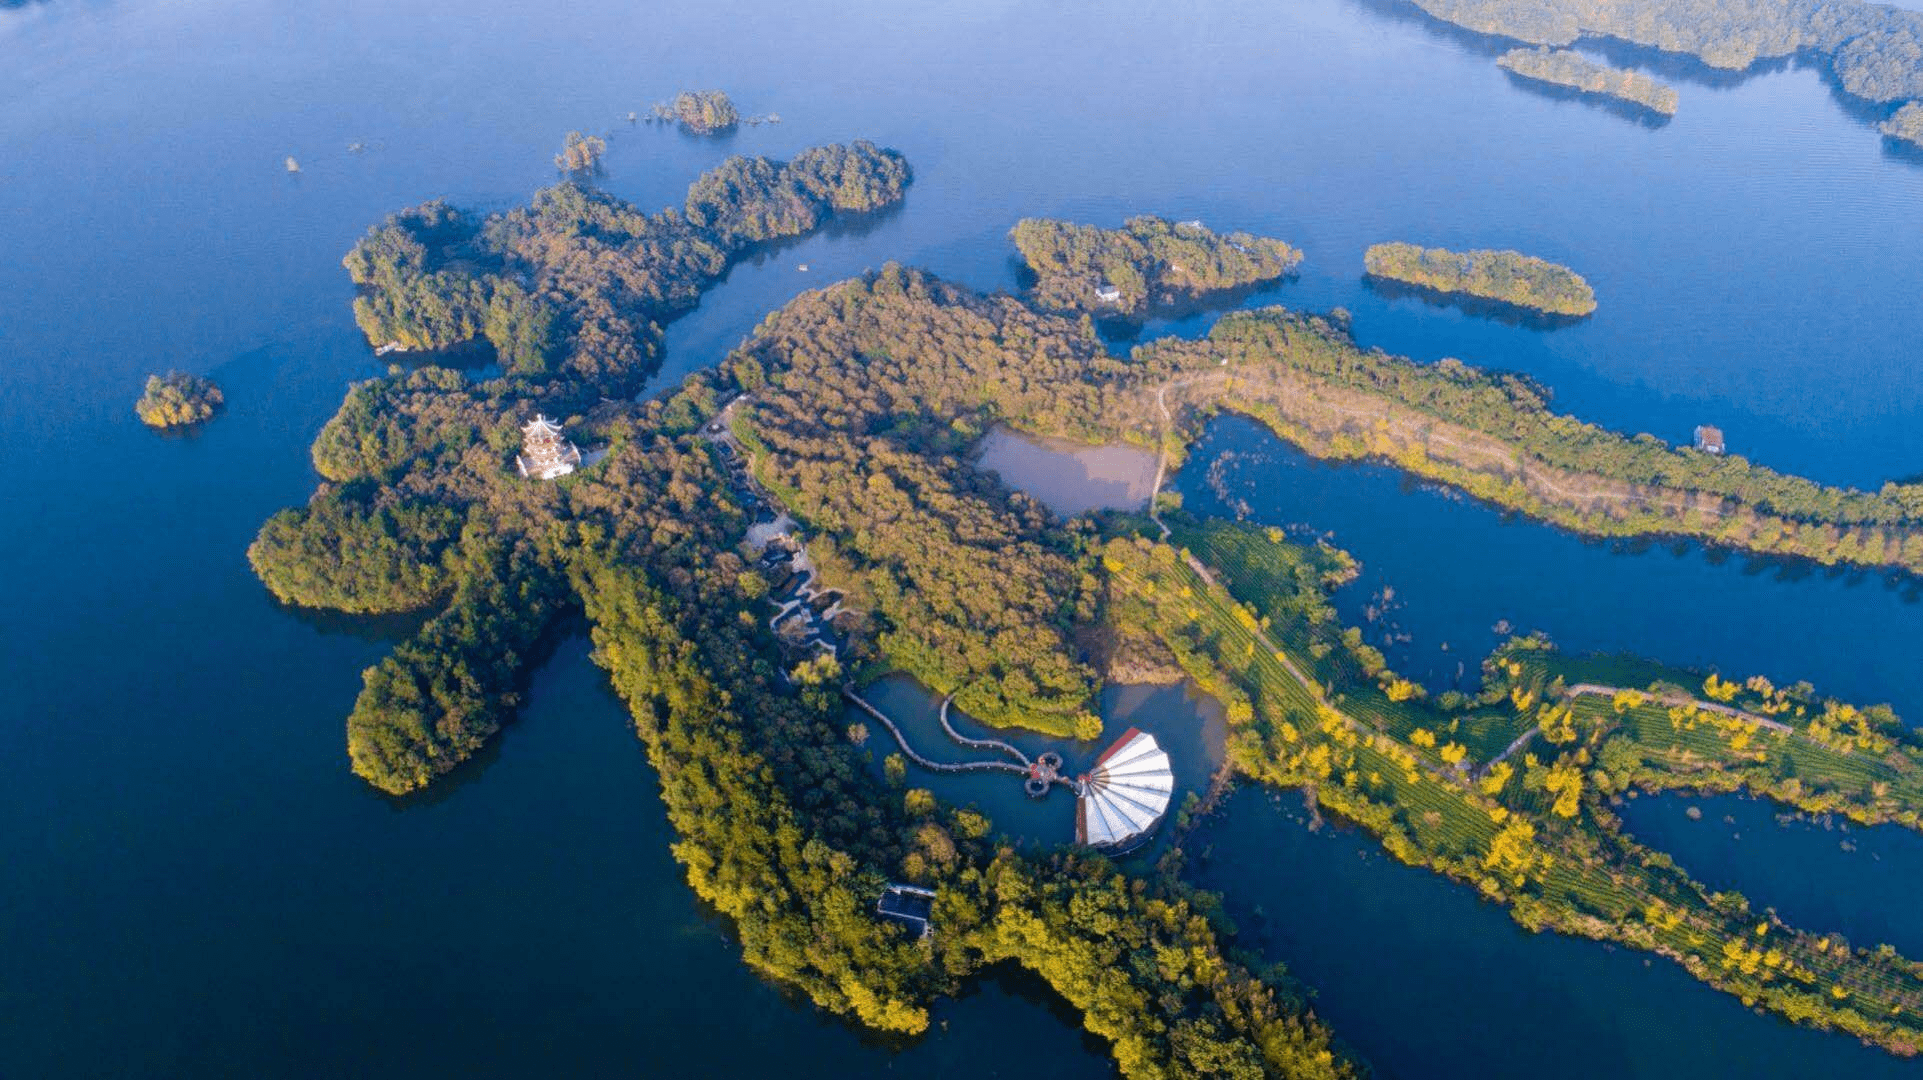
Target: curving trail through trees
<point>1672,700</point>
<point>1677,701</point>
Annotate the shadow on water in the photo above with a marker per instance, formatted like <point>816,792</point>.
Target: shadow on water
<point>188,433</point>
<point>569,626</point>
<point>1683,68</point>
<point>475,359</point>
<point>1641,115</point>
<point>375,628</point>
<point>1029,988</point>
<point>1672,66</point>
<point>1475,306</point>
<point>1896,149</point>
<point>1130,330</point>
<point>455,780</point>
<point>1780,569</point>
<point>1471,41</point>
<point>838,226</point>
<point>1444,579</point>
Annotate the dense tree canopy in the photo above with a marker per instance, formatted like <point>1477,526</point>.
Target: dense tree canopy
<point>1567,68</point>
<point>1906,124</point>
<point>1875,50</point>
<point>1148,262</point>
<point>580,153</point>
<point>1494,435</point>
<point>339,553</point>
<point>858,405</point>
<point>178,399</point>
<point>874,389</point>
<point>704,111</point>
<point>1510,277</point>
<point>575,284</point>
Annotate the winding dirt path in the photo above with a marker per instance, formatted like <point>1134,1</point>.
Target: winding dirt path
<point>1672,700</point>
<point>1675,700</point>
<point>1161,460</point>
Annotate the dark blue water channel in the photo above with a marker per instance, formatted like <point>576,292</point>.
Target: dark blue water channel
<point>1434,982</point>
<point>1445,572</point>
<point>194,883</point>
<point>1441,573</point>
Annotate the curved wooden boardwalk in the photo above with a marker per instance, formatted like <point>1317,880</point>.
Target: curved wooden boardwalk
<point>978,744</point>
<point>937,766</point>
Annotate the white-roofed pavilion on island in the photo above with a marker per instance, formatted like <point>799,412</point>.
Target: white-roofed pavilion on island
<point>1126,794</point>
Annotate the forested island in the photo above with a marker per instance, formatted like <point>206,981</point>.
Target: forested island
<point>580,153</point>
<point>1148,262</point>
<point>855,406</point>
<point>1507,277</point>
<point>1874,51</point>
<point>700,112</point>
<point>1572,70</point>
<point>178,399</point>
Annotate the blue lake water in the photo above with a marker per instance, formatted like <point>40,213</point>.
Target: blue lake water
<point>195,884</point>
<point>1432,982</point>
<point>1860,882</point>
<point>1457,569</point>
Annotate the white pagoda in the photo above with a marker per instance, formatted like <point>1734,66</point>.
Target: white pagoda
<point>545,452</point>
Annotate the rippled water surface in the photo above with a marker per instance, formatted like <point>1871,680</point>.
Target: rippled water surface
<point>195,885</point>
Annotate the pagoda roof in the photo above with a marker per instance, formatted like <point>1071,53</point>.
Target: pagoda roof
<point>540,425</point>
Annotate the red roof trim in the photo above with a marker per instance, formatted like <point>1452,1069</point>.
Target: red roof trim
<point>1114,746</point>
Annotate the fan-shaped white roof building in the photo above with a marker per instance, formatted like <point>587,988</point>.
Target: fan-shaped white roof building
<point>1123,798</point>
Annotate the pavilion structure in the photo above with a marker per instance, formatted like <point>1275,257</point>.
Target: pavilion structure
<point>545,452</point>
<point>1120,801</point>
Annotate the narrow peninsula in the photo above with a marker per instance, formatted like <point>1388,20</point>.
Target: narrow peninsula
<point>1906,125</point>
<point>177,400</point>
<point>1506,277</point>
<point>1573,71</point>
<point>1871,49</point>
<point>1147,263</point>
